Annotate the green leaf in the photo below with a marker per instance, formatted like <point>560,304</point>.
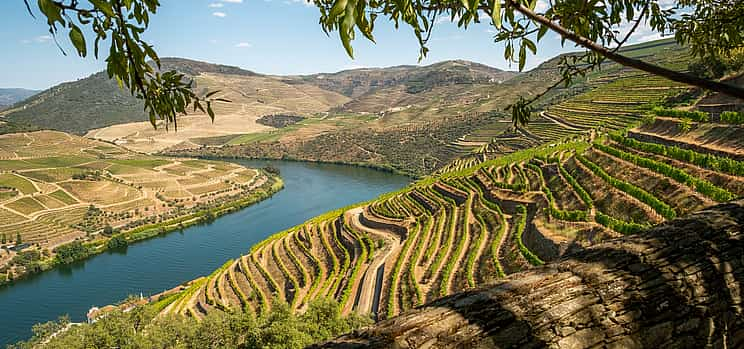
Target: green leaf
<point>212,93</point>
<point>541,32</point>
<point>496,13</point>
<point>104,6</point>
<point>522,57</point>
<point>78,40</point>
<point>530,45</point>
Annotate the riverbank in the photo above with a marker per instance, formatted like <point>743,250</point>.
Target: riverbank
<point>377,167</point>
<point>155,265</point>
<point>81,250</point>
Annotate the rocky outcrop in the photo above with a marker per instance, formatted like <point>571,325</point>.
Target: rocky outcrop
<point>677,285</point>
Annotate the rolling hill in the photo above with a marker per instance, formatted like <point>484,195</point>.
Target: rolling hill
<point>10,96</point>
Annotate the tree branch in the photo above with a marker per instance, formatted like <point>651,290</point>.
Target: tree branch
<point>627,61</point>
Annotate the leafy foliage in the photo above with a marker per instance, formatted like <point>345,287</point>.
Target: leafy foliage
<point>122,22</point>
<point>142,328</point>
<point>659,206</point>
<point>703,186</point>
<point>519,231</point>
<point>697,116</point>
<point>731,117</point>
<point>711,162</point>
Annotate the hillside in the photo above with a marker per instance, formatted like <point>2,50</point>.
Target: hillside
<point>466,120</point>
<point>95,101</point>
<point>355,83</point>
<point>565,227</point>
<point>56,188</point>
<point>10,96</point>
<point>473,226</point>
<point>660,289</point>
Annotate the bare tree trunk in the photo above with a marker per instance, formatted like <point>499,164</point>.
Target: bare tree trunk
<point>677,285</point>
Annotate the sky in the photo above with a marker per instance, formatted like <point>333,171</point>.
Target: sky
<point>280,37</point>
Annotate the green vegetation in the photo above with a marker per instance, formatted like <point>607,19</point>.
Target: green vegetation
<point>574,216</point>
<point>659,206</point>
<point>696,116</point>
<point>731,117</point>
<point>709,161</point>
<point>142,328</point>
<point>10,180</point>
<point>519,231</point>
<point>702,186</point>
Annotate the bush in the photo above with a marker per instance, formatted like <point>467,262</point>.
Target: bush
<point>573,216</point>
<point>697,116</point>
<point>117,242</point>
<point>72,252</point>
<point>618,225</point>
<point>521,224</point>
<point>731,117</point>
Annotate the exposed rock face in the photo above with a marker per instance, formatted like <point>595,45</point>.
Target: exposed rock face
<point>677,285</point>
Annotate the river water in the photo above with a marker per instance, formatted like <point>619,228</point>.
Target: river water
<point>164,262</point>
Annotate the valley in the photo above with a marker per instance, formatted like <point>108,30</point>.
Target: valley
<point>610,157</point>
<point>60,192</point>
<point>468,227</point>
<point>154,265</point>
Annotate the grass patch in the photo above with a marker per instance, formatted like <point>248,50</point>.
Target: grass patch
<point>26,205</point>
<point>64,197</point>
<point>23,185</point>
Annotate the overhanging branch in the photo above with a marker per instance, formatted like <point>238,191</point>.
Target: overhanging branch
<point>627,61</point>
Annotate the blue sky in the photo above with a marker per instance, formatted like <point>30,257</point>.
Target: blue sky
<point>266,36</point>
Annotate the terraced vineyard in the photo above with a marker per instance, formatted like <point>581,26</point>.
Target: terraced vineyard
<point>56,188</point>
<point>471,225</point>
<point>611,106</point>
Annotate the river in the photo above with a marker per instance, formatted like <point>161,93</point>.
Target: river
<point>161,263</point>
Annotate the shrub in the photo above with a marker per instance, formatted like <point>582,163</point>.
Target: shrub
<point>72,252</point>
<point>573,216</point>
<point>618,225</point>
<point>117,242</point>
<point>576,186</point>
<point>731,117</point>
<point>697,116</point>
<point>685,125</point>
<point>521,224</point>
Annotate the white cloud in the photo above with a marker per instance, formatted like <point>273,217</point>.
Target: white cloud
<point>219,14</point>
<point>216,5</point>
<point>244,45</point>
<point>233,1</point>
<point>41,39</point>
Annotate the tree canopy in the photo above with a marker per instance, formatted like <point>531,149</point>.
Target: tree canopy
<point>711,28</point>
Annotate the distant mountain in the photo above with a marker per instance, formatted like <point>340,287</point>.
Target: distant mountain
<point>10,96</point>
<point>358,82</point>
<point>97,101</point>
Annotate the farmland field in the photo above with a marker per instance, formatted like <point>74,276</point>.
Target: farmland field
<point>52,195</point>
